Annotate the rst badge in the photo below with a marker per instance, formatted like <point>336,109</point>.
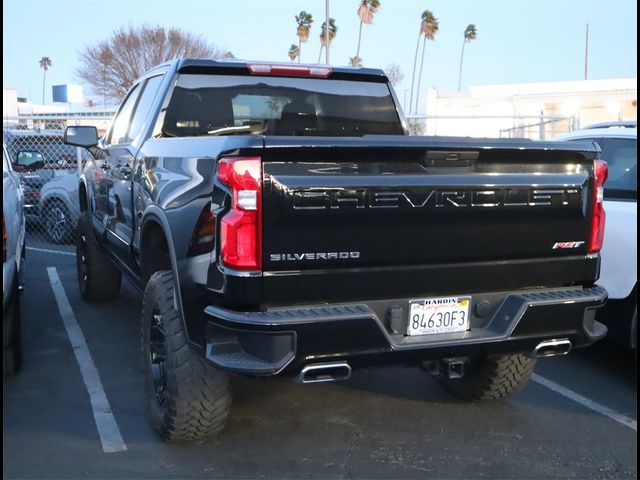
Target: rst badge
<point>559,245</point>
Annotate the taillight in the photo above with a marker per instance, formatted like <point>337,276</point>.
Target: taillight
<point>241,227</point>
<point>4,240</point>
<point>601,172</point>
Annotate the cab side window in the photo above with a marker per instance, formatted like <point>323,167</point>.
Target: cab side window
<point>143,107</point>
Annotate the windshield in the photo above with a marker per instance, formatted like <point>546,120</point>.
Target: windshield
<point>240,105</point>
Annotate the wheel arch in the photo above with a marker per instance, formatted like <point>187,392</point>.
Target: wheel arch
<point>83,199</point>
<point>155,235</point>
<point>54,197</point>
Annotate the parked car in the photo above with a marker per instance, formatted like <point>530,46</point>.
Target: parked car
<point>29,166</point>
<point>13,253</point>
<point>281,222</point>
<point>619,274</point>
<point>41,158</point>
<point>59,208</point>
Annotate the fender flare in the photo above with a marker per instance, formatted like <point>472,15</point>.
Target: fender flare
<point>155,214</point>
<point>82,182</point>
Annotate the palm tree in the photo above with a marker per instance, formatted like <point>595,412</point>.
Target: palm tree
<point>294,52</point>
<point>366,12</point>
<point>45,63</point>
<point>415,62</point>
<point>304,21</point>
<point>355,61</point>
<point>323,35</point>
<point>470,33</point>
<point>429,26</point>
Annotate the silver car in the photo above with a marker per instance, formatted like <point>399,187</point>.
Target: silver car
<point>60,208</point>
<point>13,231</point>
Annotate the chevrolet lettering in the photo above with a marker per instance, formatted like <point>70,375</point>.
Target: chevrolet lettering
<point>508,197</point>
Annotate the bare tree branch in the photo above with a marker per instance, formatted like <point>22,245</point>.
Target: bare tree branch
<point>111,66</point>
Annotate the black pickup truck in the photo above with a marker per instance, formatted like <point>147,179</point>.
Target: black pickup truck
<point>280,221</point>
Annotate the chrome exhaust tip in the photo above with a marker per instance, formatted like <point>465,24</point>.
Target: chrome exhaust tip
<point>552,348</point>
<point>325,372</point>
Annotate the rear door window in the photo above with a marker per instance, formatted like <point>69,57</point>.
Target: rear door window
<point>122,122</point>
<point>144,105</point>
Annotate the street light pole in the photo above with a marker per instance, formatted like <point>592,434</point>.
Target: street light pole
<point>326,30</point>
<point>586,53</point>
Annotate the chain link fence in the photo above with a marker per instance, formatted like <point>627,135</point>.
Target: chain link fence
<point>49,171</point>
<point>540,127</point>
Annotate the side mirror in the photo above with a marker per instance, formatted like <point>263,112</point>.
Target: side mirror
<point>29,160</point>
<point>81,136</point>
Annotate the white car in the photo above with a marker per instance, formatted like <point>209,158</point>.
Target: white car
<point>12,264</point>
<point>618,141</point>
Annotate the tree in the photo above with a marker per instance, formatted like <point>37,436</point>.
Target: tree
<point>294,52</point>
<point>45,64</point>
<point>333,30</point>
<point>105,59</point>
<point>111,66</point>
<point>394,74</point>
<point>366,12</point>
<point>304,21</point>
<point>355,61</point>
<point>470,33</point>
<point>428,27</point>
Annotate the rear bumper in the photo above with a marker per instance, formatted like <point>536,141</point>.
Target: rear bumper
<point>282,341</point>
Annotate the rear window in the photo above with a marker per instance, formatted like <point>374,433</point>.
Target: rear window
<point>204,105</point>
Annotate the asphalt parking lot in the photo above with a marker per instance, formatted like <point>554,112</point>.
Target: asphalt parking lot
<point>383,423</point>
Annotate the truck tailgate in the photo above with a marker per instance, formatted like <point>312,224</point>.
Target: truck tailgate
<point>407,202</point>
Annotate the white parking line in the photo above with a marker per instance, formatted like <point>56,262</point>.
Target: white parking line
<point>585,402</point>
<point>46,250</point>
<point>105,421</point>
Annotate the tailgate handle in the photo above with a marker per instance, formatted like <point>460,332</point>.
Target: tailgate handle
<point>457,158</point>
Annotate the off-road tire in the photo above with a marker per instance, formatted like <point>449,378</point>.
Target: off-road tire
<point>98,278</point>
<point>491,378</point>
<point>12,335</point>
<point>195,398</point>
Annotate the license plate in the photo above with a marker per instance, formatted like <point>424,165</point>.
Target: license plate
<point>429,316</point>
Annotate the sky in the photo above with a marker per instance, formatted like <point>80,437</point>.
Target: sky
<point>518,40</point>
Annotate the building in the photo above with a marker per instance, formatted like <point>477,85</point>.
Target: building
<point>532,110</point>
<point>9,102</point>
<point>19,113</point>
